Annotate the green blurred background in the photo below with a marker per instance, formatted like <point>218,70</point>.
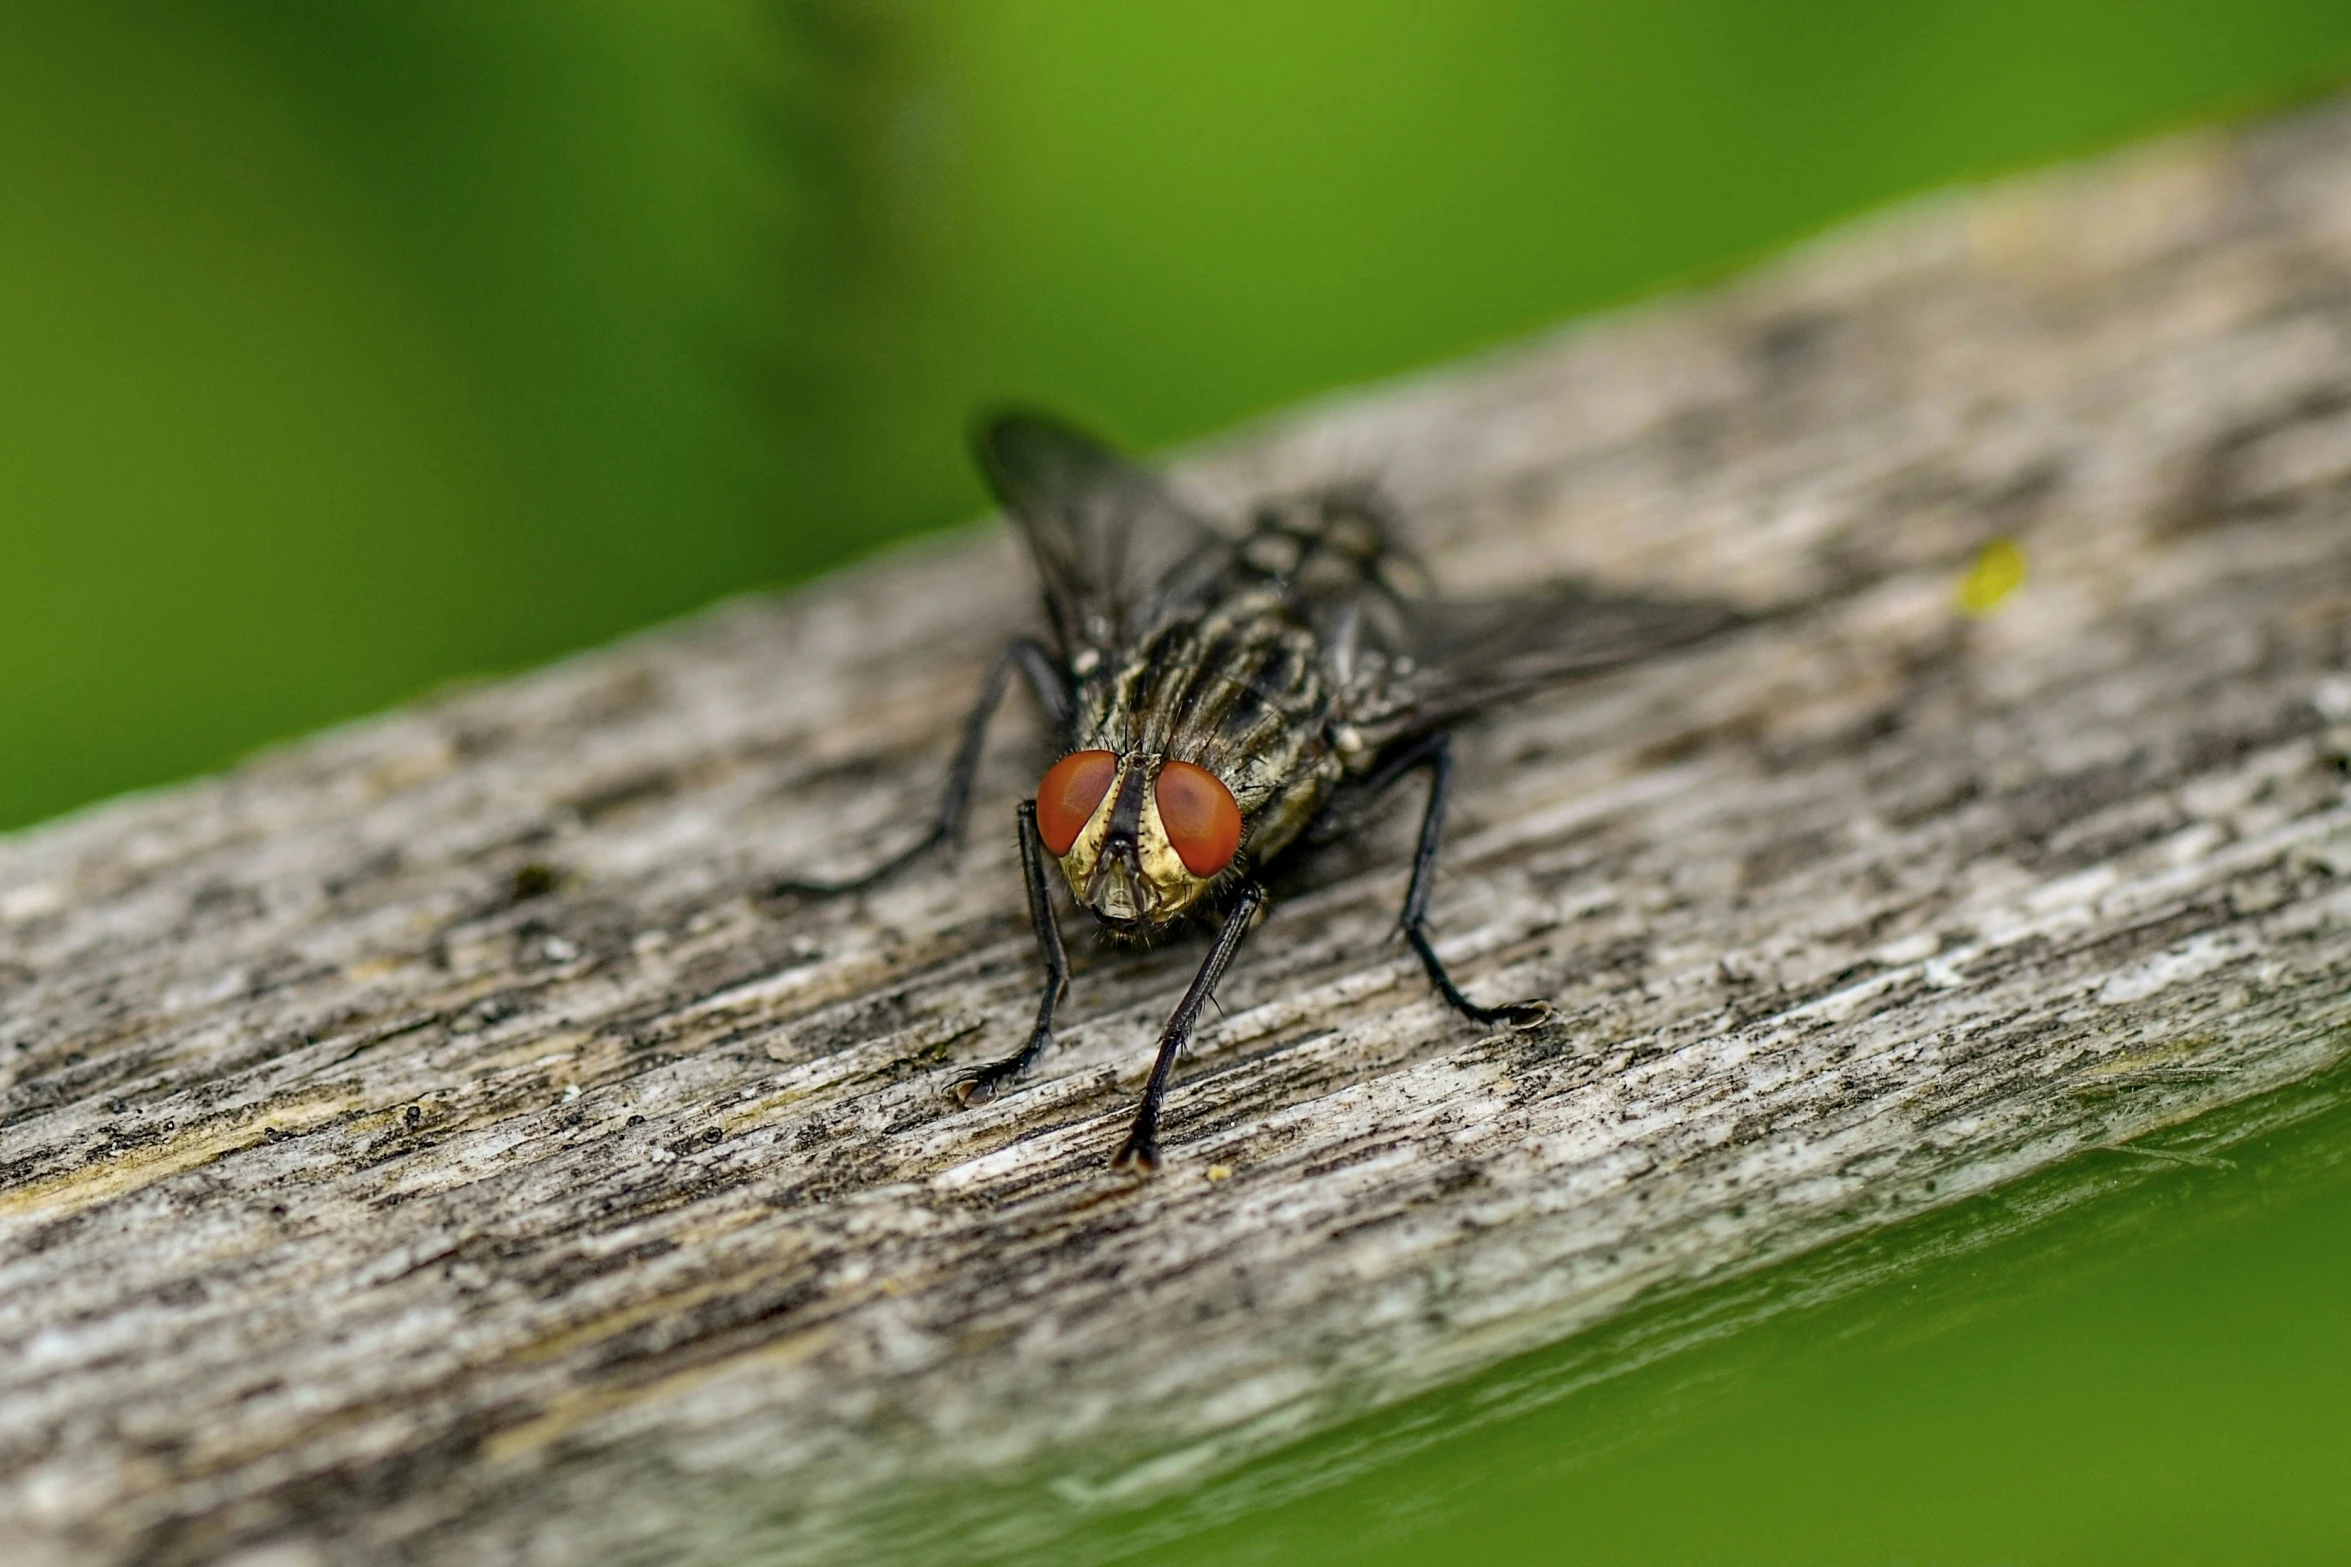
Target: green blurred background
<point>345,350</point>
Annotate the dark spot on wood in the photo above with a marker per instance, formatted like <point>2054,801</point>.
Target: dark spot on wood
<point>623,794</point>
<point>1792,344</point>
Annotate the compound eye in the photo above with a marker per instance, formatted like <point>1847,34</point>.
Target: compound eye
<point>1066,800</point>
<point>1201,820</point>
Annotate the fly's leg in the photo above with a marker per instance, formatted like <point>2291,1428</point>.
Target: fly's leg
<point>1141,1149</point>
<point>1045,678</point>
<point>1436,755</point>
<point>982,1085</point>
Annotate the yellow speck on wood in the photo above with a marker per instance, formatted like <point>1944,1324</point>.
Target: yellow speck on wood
<point>1220,1172</point>
<point>1998,571</point>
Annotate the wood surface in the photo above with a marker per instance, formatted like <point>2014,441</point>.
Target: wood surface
<point>431,1143</point>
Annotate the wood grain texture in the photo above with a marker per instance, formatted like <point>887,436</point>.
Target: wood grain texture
<point>362,1201</point>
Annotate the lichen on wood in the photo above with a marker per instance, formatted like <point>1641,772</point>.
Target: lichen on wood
<point>433,1142</point>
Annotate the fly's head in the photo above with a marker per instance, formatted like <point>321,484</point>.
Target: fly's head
<point>1140,838</point>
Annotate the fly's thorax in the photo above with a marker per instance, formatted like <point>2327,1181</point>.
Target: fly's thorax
<point>1123,865</point>
<point>1221,706</point>
<point>1288,807</point>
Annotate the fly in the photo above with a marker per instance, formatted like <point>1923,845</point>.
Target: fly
<point>1223,700</point>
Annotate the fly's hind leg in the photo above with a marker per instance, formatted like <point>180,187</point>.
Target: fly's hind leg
<point>1046,679</point>
<point>1435,755</point>
<point>982,1085</point>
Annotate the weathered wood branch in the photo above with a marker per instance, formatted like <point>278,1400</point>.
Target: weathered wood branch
<point>427,1144</point>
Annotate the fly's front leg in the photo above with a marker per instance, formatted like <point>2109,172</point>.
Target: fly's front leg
<point>1046,679</point>
<point>982,1085</point>
<point>1436,756</point>
<point>1141,1149</point>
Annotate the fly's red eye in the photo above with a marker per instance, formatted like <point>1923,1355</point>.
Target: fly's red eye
<point>1197,811</point>
<point>1073,787</point>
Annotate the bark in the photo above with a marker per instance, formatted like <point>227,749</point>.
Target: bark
<point>427,1143</point>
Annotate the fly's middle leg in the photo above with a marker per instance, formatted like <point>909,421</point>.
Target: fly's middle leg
<point>1052,689</point>
<point>982,1085</point>
<point>1435,756</point>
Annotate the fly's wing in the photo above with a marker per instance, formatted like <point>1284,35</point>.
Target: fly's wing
<point>1115,548</point>
<point>1440,660</point>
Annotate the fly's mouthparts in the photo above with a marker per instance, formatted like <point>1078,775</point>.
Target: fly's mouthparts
<point>1118,888</point>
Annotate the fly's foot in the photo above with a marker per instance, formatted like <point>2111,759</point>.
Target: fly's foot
<point>820,891</point>
<point>817,891</point>
<point>1519,1014</point>
<point>983,1085</point>
<point>1139,1154</point>
<point>807,891</point>
<point>1516,1014</point>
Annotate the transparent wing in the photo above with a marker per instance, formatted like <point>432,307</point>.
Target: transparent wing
<point>1439,660</point>
<point>1115,548</point>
